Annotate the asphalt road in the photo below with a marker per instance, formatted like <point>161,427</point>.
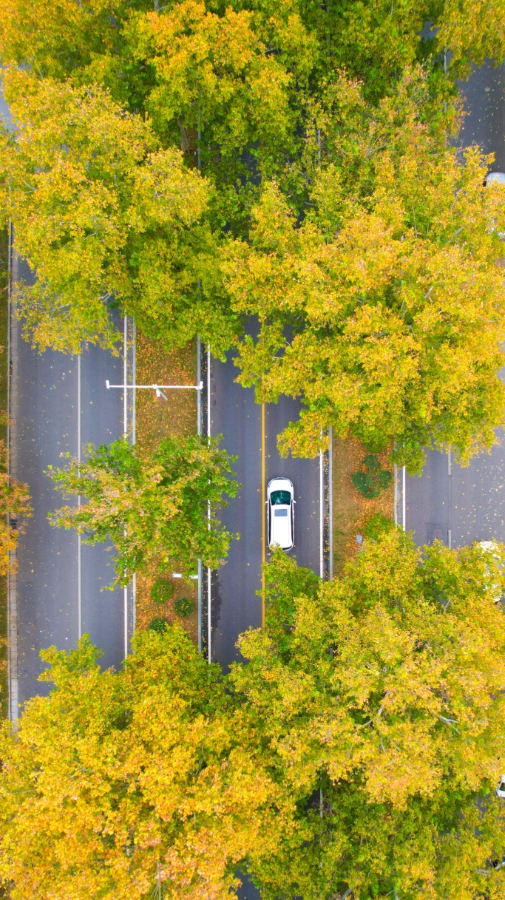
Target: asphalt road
<point>51,607</point>
<point>235,604</point>
<point>59,579</point>
<point>454,504</point>
<point>460,505</point>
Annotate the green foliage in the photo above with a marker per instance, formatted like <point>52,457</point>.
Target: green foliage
<point>184,606</point>
<point>114,106</point>
<point>377,525</point>
<point>95,777</point>
<point>389,285</point>
<point>381,689</point>
<point>284,581</point>
<point>153,505</point>
<point>373,480</point>
<point>124,220</point>
<point>322,199</point>
<point>375,443</point>
<point>162,591</point>
<point>385,695</point>
<point>158,625</point>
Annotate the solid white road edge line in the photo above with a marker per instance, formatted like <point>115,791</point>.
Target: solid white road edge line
<point>125,432</point>
<point>321,514</point>
<point>209,573</point>
<point>79,553</point>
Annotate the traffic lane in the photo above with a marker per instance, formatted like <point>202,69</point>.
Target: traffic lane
<point>459,504</point>
<point>47,570</point>
<point>5,113</point>
<point>102,614</point>
<point>484,103</point>
<point>247,890</point>
<point>428,502</point>
<point>478,495</point>
<point>235,603</point>
<point>304,473</point>
<point>47,580</point>
<point>460,508</point>
<point>478,492</point>
<point>467,502</point>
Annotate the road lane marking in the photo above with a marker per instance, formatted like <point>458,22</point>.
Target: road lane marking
<point>263,492</point>
<point>79,558</point>
<point>321,512</point>
<point>134,441</point>
<point>404,508</point>
<point>330,503</point>
<point>125,433</point>
<point>209,572</point>
<point>199,433</point>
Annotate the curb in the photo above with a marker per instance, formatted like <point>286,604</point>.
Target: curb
<point>12,457</point>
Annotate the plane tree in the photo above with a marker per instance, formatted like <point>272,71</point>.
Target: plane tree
<point>106,216</point>
<point>374,42</point>
<point>229,85</point>
<point>15,505</point>
<point>148,781</point>
<point>156,504</point>
<point>381,695</point>
<point>103,187</point>
<point>383,308</point>
<point>357,748</point>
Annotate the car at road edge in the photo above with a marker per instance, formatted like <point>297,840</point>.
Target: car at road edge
<point>492,551</point>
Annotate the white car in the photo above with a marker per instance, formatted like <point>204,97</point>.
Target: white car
<point>500,790</point>
<point>492,549</point>
<point>495,178</point>
<point>280,513</point>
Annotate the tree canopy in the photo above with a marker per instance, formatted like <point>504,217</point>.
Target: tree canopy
<point>15,504</point>
<point>358,747</point>
<point>384,691</point>
<point>105,216</point>
<point>383,309</point>
<point>155,143</point>
<point>373,42</point>
<point>156,504</point>
<point>118,784</point>
<point>235,81</point>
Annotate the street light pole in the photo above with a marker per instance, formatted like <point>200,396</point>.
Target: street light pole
<point>159,388</point>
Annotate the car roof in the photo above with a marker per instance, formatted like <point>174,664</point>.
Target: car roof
<point>495,178</point>
<point>281,527</point>
<point>489,546</point>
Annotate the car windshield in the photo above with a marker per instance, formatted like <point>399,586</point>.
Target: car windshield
<point>278,498</point>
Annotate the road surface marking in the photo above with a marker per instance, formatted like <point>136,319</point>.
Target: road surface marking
<point>321,512</point>
<point>404,510</point>
<point>134,441</point>
<point>79,558</point>
<point>330,503</point>
<point>209,573</point>
<point>263,493</point>
<point>125,432</point>
<point>199,433</point>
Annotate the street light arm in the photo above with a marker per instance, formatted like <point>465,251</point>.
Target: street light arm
<point>156,387</point>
